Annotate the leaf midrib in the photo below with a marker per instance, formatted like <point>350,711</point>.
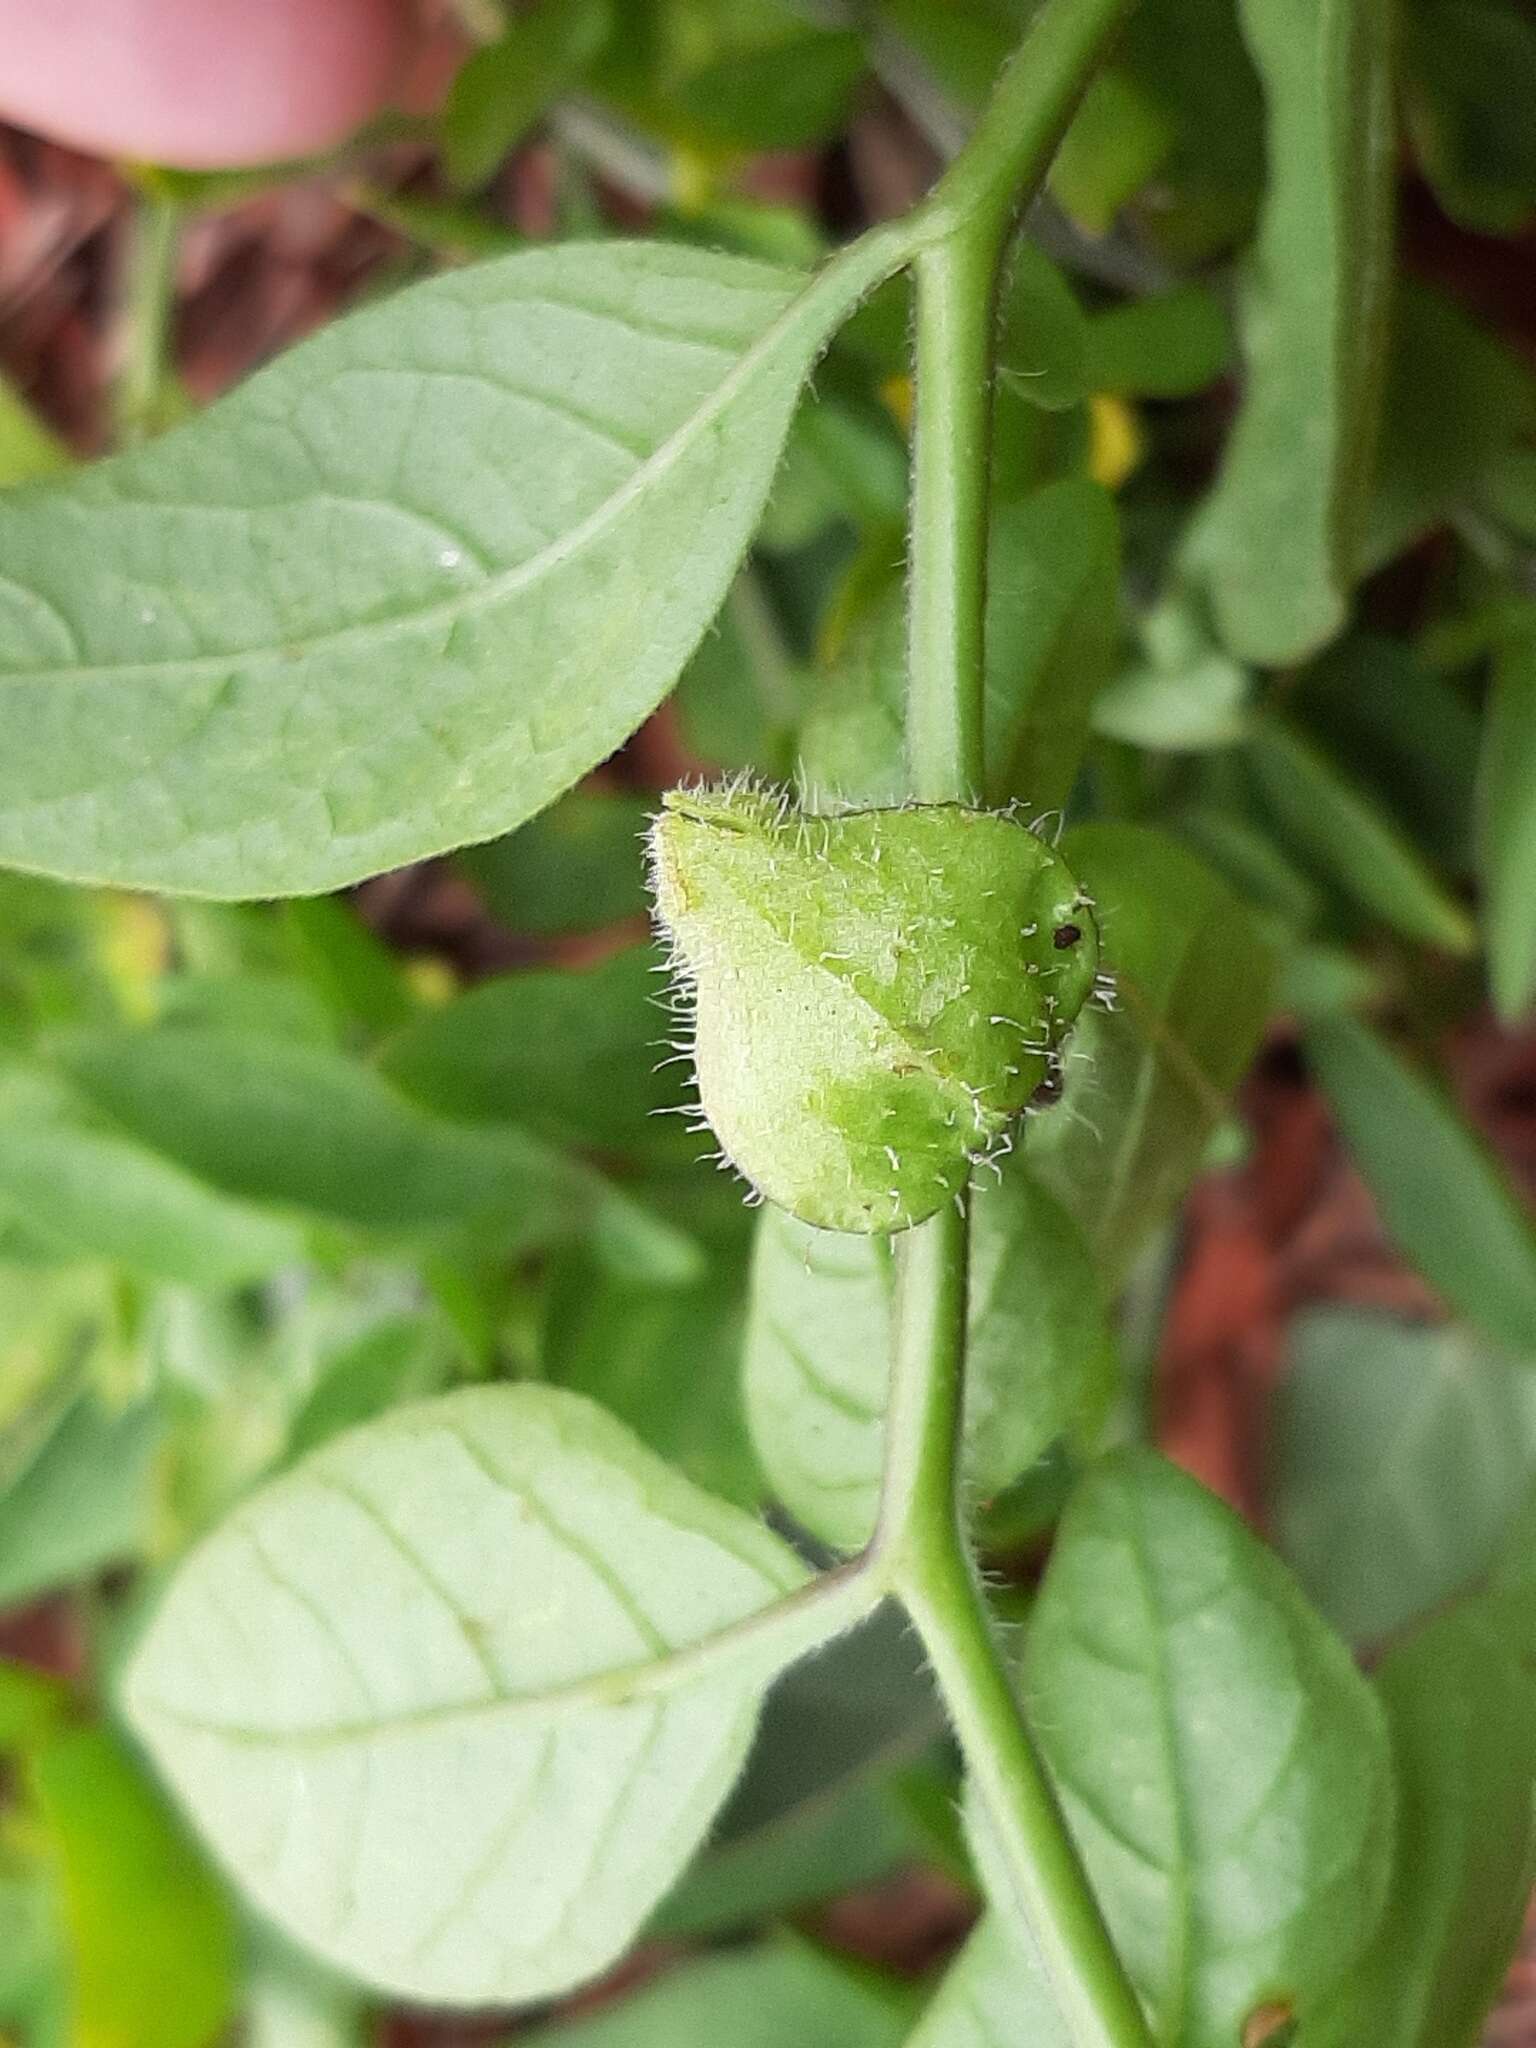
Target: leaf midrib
<point>462,604</point>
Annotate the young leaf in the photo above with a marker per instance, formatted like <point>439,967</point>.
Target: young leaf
<point>405,586</point>
<point>1461,1706</point>
<point>779,1993</point>
<point>151,1940</point>
<point>1444,1199</point>
<point>1398,1454</point>
<point>1279,538</point>
<point>1222,1763</point>
<point>1507,827</point>
<point>1040,1357</point>
<point>1352,840</point>
<point>1167,346</point>
<point>428,1695</point>
<point>1147,1085</point>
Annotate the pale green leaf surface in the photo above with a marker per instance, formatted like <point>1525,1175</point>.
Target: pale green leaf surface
<point>1445,1199</point>
<point>405,586</point>
<point>387,1689</point>
<point>817,1361</point>
<point>1147,1085</point>
<point>1398,1454</point>
<point>1223,1765</point>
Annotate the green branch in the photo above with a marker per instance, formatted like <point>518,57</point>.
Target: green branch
<point>960,234</point>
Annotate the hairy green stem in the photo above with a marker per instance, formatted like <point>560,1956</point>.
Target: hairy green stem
<point>960,233</point>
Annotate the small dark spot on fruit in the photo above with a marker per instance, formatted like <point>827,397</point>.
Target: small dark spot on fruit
<point>1049,1091</point>
<point>1066,935</point>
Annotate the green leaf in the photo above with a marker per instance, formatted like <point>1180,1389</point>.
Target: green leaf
<point>1117,139</point>
<point>1040,1356</point>
<point>1462,1711</point>
<point>766,1997</point>
<point>80,1495</point>
<point>403,1690</point>
<point>1053,575</point>
<point>1148,1085</point>
<point>151,1940</point>
<point>350,968</point>
<point>1224,1767</point>
<point>505,87</point>
<point>1279,538</point>
<point>1456,398</point>
<point>662,1360</point>
<point>1399,1453</point>
<point>86,1189</point>
<point>1445,1201</point>
<point>786,94</point>
<point>1167,346</point>
<point>994,1995</point>
<point>399,1359</point>
<point>319,631</point>
<point>574,1056</point>
<point>1470,74</point>
<point>1347,835</point>
<point>574,868</point>
<point>274,1121</point>
<point>1507,827</point>
<point>818,1810</point>
<point>1042,334</point>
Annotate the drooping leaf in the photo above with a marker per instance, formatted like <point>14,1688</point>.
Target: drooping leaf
<point>1444,1199</point>
<point>1461,1706</point>
<point>1398,1455</point>
<point>1147,1085</point>
<point>765,1997</point>
<point>1507,827</point>
<point>1353,841</point>
<point>402,1691</point>
<point>817,1363</point>
<point>1279,538</point>
<point>405,586</point>
<point>150,1936</point>
<point>1224,1767</point>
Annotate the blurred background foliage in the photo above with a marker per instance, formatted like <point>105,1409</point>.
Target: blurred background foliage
<point>266,1170</point>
